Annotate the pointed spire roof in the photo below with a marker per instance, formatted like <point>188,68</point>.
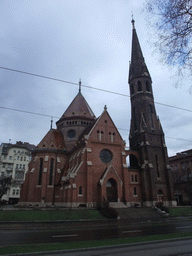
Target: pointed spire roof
<point>79,107</point>
<point>138,68</point>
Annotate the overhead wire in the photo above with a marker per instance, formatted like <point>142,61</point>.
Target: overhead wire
<point>86,86</point>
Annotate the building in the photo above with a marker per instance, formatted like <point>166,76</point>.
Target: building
<point>181,167</point>
<point>83,161</point>
<point>14,160</point>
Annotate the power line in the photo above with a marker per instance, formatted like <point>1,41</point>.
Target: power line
<point>86,86</point>
<point>28,112</point>
<point>90,87</point>
<point>39,114</point>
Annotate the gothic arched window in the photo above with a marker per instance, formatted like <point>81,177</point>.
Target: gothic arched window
<point>151,115</point>
<point>132,89</point>
<point>148,86</point>
<point>51,171</point>
<point>40,171</point>
<point>80,190</point>
<point>139,86</point>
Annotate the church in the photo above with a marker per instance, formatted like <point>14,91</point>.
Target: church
<point>84,161</point>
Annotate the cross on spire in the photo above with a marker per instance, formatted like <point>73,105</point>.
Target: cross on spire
<point>79,85</point>
<point>51,123</point>
<point>133,22</point>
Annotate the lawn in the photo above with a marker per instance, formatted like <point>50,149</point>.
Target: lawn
<point>49,215</point>
<point>180,211</point>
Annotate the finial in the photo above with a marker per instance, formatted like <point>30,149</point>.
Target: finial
<point>133,22</point>
<point>51,123</point>
<point>105,108</point>
<point>79,85</point>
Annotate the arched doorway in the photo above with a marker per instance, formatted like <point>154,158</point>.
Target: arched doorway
<point>111,190</point>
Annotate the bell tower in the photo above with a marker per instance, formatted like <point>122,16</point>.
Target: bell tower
<point>146,134</point>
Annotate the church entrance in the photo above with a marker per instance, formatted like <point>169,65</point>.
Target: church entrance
<point>111,190</point>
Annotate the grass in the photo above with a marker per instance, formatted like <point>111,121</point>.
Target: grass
<point>49,215</point>
<point>86,244</point>
<point>180,211</point>
<point>69,214</point>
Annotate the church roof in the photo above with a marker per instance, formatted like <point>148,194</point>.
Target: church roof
<point>138,67</point>
<point>79,108</point>
<point>52,140</point>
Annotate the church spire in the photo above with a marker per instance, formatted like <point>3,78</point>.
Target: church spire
<point>137,68</point>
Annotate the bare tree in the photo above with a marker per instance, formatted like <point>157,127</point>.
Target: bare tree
<point>173,21</point>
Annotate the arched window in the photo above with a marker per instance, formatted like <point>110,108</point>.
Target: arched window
<point>132,89</point>
<point>134,119</point>
<point>148,86</point>
<point>157,166</point>
<point>40,171</point>
<point>139,86</point>
<point>160,192</point>
<point>51,171</point>
<point>133,161</point>
<point>136,178</point>
<point>151,115</point>
<point>80,190</point>
<point>135,191</point>
<point>132,178</point>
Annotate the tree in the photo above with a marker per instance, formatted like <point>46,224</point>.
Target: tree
<point>4,184</point>
<point>173,21</point>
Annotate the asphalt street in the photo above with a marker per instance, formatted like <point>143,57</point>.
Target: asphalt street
<point>33,234</point>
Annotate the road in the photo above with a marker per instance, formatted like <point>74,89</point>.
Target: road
<point>56,233</point>
<point>165,248</point>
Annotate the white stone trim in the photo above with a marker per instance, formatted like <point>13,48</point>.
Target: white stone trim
<point>106,172</point>
<point>46,158</point>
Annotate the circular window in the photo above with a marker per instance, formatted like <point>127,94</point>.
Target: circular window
<point>106,156</point>
<point>71,134</point>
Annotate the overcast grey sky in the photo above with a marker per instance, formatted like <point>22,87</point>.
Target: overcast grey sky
<point>87,39</point>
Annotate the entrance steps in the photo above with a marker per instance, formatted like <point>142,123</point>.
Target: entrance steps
<point>138,214</point>
<point>118,205</point>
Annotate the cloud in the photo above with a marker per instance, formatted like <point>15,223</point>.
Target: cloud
<point>70,40</point>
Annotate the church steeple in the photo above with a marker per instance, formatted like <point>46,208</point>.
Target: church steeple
<point>138,67</point>
<point>146,134</point>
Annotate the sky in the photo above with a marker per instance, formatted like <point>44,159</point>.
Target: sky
<point>88,40</point>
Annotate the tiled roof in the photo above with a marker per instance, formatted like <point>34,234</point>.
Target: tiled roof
<point>52,140</point>
<point>79,108</point>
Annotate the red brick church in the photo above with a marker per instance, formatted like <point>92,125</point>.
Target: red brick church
<point>83,161</point>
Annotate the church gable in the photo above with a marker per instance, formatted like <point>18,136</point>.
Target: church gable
<point>110,172</point>
<point>105,130</point>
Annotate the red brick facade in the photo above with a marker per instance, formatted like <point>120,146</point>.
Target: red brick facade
<point>84,160</point>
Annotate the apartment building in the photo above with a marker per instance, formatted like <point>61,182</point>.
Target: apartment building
<point>14,160</point>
